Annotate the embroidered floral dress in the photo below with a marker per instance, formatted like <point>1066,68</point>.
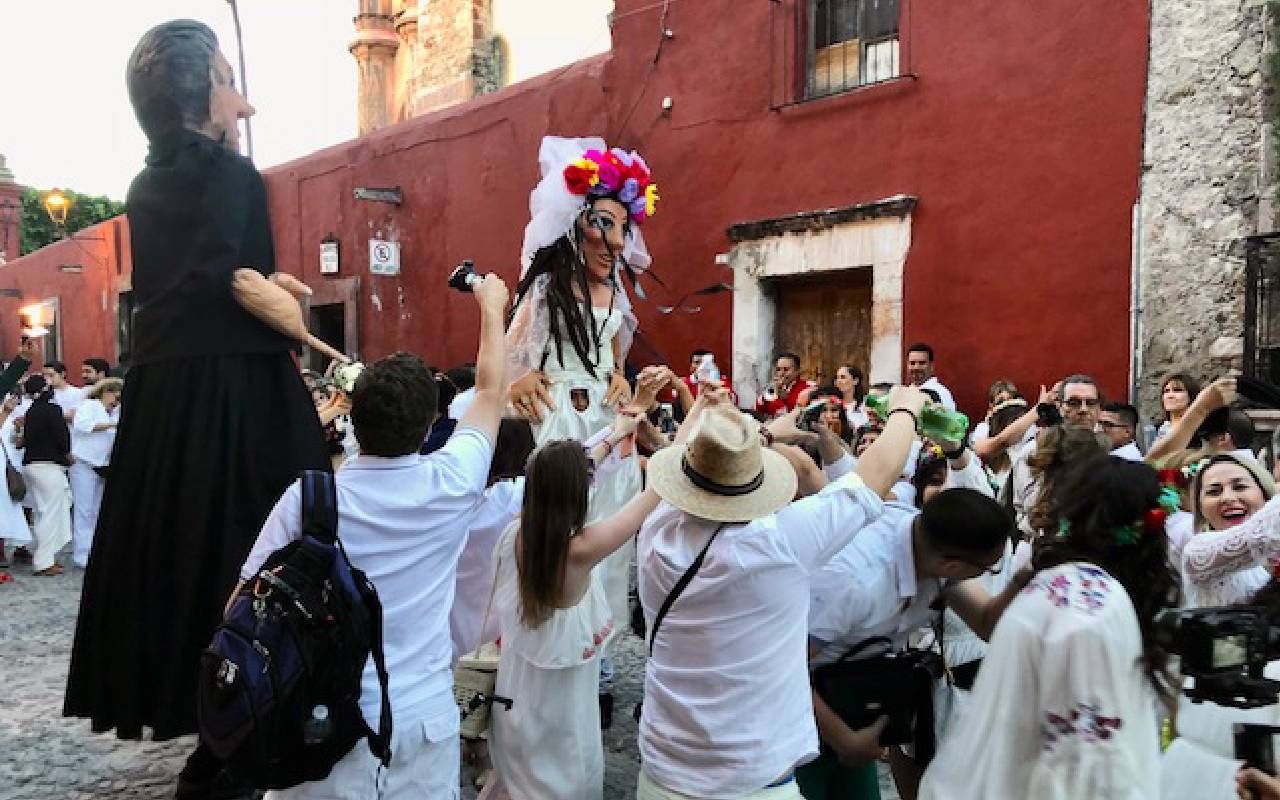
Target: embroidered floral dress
<point>547,745</point>
<point>1062,709</point>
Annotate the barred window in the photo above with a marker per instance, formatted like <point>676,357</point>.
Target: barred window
<point>851,43</point>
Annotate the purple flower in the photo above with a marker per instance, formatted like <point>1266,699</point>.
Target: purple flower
<point>630,191</point>
<point>637,207</point>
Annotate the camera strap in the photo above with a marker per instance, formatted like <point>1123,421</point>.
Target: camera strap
<point>680,586</point>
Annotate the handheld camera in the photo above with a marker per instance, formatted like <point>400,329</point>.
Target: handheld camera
<point>464,277</point>
<point>1223,651</point>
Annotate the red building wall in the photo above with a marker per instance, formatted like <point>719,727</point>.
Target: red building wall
<point>1020,134</point>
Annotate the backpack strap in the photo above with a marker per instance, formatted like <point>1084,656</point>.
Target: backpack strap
<point>319,506</point>
<point>380,742</point>
<point>680,586</point>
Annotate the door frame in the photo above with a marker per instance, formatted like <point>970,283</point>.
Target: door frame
<point>345,291</point>
<point>875,236</point>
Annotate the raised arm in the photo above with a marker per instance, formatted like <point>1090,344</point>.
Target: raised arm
<point>1214,396</point>
<point>486,409</point>
<point>882,463</point>
<point>993,446</point>
<point>1211,556</point>
<point>980,609</point>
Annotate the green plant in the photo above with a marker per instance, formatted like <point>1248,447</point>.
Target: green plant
<point>85,210</point>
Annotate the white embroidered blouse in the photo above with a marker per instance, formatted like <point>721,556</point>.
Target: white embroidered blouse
<point>1227,567</point>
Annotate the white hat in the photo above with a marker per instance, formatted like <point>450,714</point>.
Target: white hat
<point>723,473</point>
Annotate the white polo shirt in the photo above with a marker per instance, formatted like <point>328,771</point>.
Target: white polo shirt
<point>870,589</point>
<point>87,445</point>
<point>727,708</point>
<point>403,521</point>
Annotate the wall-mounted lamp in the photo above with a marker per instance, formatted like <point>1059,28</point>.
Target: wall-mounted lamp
<point>56,205</point>
<point>379,194</point>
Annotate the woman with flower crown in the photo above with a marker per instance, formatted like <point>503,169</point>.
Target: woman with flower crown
<point>572,324</point>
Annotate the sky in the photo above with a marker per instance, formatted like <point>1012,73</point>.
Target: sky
<point>65,118</point>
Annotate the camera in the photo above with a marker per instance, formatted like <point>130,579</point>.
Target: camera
<point>464,277</point>
<point>1223,651</point>
<point>811,414</point>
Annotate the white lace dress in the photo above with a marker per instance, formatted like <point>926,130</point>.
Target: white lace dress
<point>547,745</point>
<point>1062,709</point>
<point>1227,567</point>
<point>612,491</point>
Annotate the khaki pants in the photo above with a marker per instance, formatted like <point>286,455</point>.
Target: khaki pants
<point>648,790</point>
<point>51,495</point>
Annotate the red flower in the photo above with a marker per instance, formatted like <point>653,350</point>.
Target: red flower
<point>1154,519</point>
<point>1172,477</point>
<point>577,179</point>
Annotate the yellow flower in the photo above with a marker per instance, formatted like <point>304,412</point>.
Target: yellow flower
<point>651,198</point>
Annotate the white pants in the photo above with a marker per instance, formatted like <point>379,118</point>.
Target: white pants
<point>86,494</point>
<point>648,790</point>
<point>51,495</point>
<point>424,766</point>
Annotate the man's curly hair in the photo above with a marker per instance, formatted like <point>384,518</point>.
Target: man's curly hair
<point>393,405</point>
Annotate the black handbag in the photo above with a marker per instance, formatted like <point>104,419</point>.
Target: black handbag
<point>896,684</point>
<point>14,482</point>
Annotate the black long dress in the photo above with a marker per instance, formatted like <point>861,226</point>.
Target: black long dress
<point>215,424</point>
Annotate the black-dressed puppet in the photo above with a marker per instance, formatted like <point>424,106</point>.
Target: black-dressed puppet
<point>216,422</point>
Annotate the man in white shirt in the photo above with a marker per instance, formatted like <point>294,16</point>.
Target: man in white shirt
<point>892,580</point>
<point>92,371</point>
<point>65,395</point>
<point>920,372</point>
<point>403,520</point>
<point>727,709</point>
<point>1119,422</point>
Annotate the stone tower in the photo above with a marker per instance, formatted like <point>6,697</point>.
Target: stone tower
<point>374,47</point>
<point>10,215</point>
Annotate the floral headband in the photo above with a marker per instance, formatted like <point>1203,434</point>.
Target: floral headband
<point>615,173</point>
<point>1152,521</point>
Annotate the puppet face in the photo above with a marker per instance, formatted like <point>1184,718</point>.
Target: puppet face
<point>226,105</point>
<point>604,229</point>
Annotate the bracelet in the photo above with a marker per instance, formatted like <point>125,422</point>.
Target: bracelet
<point>767,436</point>
<point>915,421</point>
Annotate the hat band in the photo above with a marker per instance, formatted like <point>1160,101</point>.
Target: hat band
<point>725,489</point>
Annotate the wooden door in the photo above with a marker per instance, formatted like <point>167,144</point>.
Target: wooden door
<point>827,321</point>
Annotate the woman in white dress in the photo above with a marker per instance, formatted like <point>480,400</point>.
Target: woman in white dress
<point>1228,494</point>
<point>13,520</point>
<point>572,324</point>
<point>1066,704</point>
<point>93,434</point>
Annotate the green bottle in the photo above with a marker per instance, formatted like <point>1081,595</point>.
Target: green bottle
<point>936,422</point>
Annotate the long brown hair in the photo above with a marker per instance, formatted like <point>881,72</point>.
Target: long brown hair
<point>555,509</point>
<point>1058,448</point>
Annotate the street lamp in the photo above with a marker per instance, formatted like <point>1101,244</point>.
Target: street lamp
<point>56,205</point>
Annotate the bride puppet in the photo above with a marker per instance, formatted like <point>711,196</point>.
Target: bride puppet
<point>572,323</point>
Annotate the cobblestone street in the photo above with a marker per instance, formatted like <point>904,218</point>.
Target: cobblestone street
<point>48,756</point>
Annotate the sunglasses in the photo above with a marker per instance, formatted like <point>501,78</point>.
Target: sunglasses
<point>1080,402</point>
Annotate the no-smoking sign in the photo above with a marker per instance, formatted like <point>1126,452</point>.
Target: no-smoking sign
<point>384,257</point>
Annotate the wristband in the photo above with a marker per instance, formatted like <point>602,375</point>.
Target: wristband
<point>954,454</point>
<point>767,436</point>
<point>915,421</point>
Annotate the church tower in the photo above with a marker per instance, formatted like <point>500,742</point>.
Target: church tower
<point>374,48</point>
<point>10,215</point>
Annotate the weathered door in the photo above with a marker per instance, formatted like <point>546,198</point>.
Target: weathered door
<point>826,319</point>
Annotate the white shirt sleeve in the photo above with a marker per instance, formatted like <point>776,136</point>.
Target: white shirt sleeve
<point>840,467</point>
<point>973,476</point>
<point>88,414</point>
<point>283,525</point>
<point>1211,556</point>
<point>836,607</point>
<point>814,529</point>
<point>463,463</point>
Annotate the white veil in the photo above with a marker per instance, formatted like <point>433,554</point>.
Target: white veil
<point>553,209</point>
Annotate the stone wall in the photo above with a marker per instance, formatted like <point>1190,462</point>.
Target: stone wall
<point>1204,157</point>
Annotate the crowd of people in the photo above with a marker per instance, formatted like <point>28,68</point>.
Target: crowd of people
<point>992,597</point>
<point>57,439</point>
<point>839,577</point>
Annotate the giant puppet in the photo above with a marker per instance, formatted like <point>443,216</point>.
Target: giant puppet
<point>215,419</point>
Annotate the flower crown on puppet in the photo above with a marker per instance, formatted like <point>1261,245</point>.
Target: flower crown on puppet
<point>616,173</point>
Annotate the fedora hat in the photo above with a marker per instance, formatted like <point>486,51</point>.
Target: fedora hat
<point>722,473</point>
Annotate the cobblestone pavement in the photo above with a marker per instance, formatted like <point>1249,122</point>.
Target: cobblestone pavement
<point>49,756</point>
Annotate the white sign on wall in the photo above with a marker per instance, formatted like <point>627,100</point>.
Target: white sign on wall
<point>329,258</point>
<point>384,257</point>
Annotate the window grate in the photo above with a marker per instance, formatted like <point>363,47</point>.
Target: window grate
<point>1262,307</point>
<point>850,43</point>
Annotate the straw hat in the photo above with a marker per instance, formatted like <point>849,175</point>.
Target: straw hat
<point>105,385</point>
<point>722,473</point>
